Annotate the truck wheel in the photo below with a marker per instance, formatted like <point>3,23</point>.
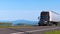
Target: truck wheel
<point>50,24</point>
<point>56,24</point>
<point>39,23</point>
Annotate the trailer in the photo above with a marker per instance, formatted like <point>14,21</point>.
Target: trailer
<point>48,18</point>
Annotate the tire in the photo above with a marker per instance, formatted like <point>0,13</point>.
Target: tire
<point>56,24</point>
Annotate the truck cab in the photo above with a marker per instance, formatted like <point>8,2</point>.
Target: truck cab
<point>46,18</point>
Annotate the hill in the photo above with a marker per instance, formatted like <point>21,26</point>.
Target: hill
<point>25,22</point>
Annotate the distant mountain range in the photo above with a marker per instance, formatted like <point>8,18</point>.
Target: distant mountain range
<point>25,22</point>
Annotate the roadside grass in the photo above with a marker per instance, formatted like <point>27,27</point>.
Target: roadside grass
<point>16,27</point>
<point>53,32</point>
<point>20,27</point>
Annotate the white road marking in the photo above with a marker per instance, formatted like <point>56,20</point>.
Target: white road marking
<point>18,33</point>
<point>13,33</point>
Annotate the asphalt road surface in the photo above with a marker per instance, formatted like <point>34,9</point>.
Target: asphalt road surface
<point>15,30</point>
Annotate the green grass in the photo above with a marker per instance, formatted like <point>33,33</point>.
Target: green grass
<point>16,27</point>
<point>53,32</point>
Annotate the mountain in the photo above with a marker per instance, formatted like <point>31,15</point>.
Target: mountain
<point>25,22</point>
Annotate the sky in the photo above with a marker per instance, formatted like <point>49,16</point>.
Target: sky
<point>26,9</point>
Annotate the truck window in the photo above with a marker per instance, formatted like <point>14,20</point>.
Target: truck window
<point>45,15</point>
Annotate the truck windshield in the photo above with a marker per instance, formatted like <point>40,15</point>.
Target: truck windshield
<point>45,15</point>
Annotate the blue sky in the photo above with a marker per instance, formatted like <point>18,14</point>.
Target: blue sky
<point>26,9</point>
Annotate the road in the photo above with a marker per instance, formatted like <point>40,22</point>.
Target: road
<point>18,30</point>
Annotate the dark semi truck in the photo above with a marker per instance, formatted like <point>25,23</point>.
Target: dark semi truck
<point>48,18</point>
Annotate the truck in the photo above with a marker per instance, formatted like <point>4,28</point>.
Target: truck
<point>48,18</point>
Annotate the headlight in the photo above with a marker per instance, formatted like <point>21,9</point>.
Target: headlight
<point>45,21</point>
